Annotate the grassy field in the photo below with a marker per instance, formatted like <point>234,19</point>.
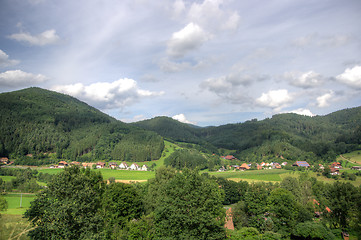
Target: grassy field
<point>14,203</point>
<point>254,175</point>
<point>7,178</point>
<point>14,227</point>
<point>352,157</point>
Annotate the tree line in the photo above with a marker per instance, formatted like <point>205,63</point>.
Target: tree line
<point>77,204</point>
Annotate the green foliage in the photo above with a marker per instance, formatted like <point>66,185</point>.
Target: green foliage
<point>52,126</point>
<point>189,206</point>
<point>283,209</point>
<point>186,158</point>
<point>120,203</point>
<point>69,207</point>
<point>3,204</point>
<point>311,230</point>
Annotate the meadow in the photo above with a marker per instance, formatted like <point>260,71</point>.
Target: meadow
<point>14,200</point>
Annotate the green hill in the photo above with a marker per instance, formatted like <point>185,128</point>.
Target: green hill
<point>40,122</point>
<point>289,136</point>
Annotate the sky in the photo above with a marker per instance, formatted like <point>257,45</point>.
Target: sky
<point>207,62</point>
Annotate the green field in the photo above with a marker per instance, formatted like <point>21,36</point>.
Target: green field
<point>352,157</point>
<point>125,174</point>
<point>14,203</point>
<point>257,175</point>
<point>7,178</point>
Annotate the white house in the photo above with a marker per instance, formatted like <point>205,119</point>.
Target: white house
<point>134,166</point>
<point>123,165</point>
<point>144,168</point>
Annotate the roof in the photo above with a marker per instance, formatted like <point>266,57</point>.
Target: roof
<point>63,162</point>
<point>245,165</point>
<point>302,164</point>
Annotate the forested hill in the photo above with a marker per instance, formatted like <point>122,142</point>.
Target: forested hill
<point>40,122</point>
<point>288,136</point>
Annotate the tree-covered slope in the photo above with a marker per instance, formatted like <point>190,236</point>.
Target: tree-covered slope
<point>287,135</point>
<point>37,121</point>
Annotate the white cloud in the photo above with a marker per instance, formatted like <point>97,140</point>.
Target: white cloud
<point>230,82</point>
<point>18,78</point>
<point>210,15</point>
<point>351,77</point>
<point>304,80</point>
<point>105,95</point>
<point>178,8</point>
<point>321,41</point>
<point>188,39</point>
<point>182,118</point>
<point>169,66</point>
<point>303,111</point>
<point>276,99</point>
<point>5,61</point>
<point>44,38</point>
<point>324,100</point>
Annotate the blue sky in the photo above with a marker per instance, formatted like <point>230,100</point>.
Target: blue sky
<point>207,62</point>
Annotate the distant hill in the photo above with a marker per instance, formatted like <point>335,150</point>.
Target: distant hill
<point>288,136</point>
<point>47,124</point>
<point>37,122</point>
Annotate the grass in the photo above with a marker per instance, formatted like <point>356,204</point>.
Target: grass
<point>253,175</point>
<point>7,178</point>
<point>353,157</point>
<point>13,227</point>
<point>13,200</point>
<point>126,174</point>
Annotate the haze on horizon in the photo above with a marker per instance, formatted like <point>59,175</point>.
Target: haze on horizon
<point>207,62</point>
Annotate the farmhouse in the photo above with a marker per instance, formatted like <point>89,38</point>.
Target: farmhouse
<point>62,164</point>
<point>100,164</point>
<point>4,160</point>
<point>144,168</point>
<point>336,165</point>
<point>113,165</point>
<point>356,168</point>
<point>301,164</point>
<point>123,165</point>
<point>244,166</point>
<point>334,171</point>
<point>88,165</point>
<point>134,166</point>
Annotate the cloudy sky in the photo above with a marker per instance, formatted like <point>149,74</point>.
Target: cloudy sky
<point>207,62</point>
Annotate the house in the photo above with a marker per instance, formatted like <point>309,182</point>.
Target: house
<point>75,163</point>
<point>336,165</point>
<point>144,168</point>
<point>222,169</point>
<point>356,168</point>
<point>62,164</point>
<point>301,164</point>
<point>229,157</point>
<point>100,164</point>
<point>334,171</point>
<point>263,164</point>
<point>284,163</point>
<point>321,166</point>
<point>113,165</point>
<point>4,160</point>
<point>123,165</point>
<point>244,166</point>
<point>259,167</point>
<point>134,166</point>
<point>88,165</point>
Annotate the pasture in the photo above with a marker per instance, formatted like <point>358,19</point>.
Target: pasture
<point>269,175</point>
<point>14,200</point>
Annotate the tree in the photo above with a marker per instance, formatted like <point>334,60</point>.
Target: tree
<point>3,203</point>
<point>69,207</point>
<point>283,209</point>
<point>120,203</point>
<point>190,208</point>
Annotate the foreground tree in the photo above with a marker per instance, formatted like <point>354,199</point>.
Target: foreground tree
<point>120,203</point>
<point>69,207</point>
<point>190,208</point>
